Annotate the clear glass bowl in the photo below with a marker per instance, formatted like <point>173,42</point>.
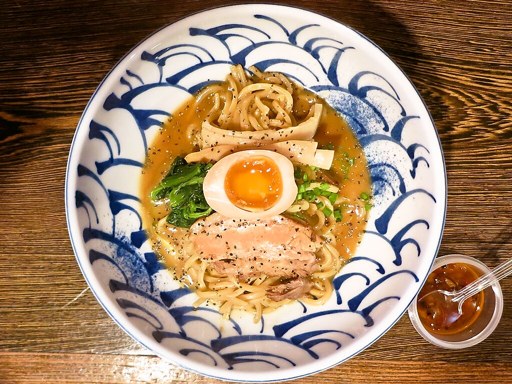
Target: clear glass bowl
<point>482,327</point>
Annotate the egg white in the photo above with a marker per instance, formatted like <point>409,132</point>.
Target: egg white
<point>216,197</point>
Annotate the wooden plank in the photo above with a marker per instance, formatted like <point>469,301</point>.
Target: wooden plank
<point>29,368</point>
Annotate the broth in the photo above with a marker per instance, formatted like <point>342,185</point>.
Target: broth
<point>349,170</point>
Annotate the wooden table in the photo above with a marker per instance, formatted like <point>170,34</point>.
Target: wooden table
<point>53,54</point>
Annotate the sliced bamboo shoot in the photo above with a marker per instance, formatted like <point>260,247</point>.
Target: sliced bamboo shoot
<point>212,136</point>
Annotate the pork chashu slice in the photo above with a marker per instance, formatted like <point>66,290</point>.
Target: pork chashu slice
<point>275,246</point>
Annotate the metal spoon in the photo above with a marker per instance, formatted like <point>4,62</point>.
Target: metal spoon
<point>501,271</point>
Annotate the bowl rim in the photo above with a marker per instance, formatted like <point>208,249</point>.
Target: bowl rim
<point>479,337</point>
<point>101,296</point>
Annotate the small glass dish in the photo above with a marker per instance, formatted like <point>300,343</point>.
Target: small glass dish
<point>484,325</point>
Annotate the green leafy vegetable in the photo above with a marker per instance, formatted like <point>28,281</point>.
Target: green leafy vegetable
<point>346,163</point>
<point>367,200</point>
<point>338,215</point>
<point>182,189</point>
<point>364,196</point>
<point>326,211</point>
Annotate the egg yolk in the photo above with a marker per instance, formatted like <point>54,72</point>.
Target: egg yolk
<point>254,184</point>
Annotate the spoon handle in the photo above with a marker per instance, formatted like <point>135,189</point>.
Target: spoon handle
<point>498,273</point>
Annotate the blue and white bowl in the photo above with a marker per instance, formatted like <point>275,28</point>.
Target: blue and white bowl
<point>386,113</point>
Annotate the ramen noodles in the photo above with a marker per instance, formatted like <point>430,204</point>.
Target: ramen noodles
<point>255,193</point>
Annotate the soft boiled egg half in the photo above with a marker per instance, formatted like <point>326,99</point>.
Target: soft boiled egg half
<point>251,184</point>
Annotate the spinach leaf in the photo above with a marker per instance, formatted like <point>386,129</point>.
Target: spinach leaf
<point>182,188</point>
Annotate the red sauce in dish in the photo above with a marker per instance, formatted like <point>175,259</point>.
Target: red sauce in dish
<point>440,316</point>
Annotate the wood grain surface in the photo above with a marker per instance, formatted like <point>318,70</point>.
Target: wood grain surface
<point>53,54</point>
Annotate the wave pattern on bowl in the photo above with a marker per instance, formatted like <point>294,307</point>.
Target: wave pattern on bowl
<point>159,78</point>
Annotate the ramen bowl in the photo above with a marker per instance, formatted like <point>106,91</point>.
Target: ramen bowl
<point>373,289</point>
